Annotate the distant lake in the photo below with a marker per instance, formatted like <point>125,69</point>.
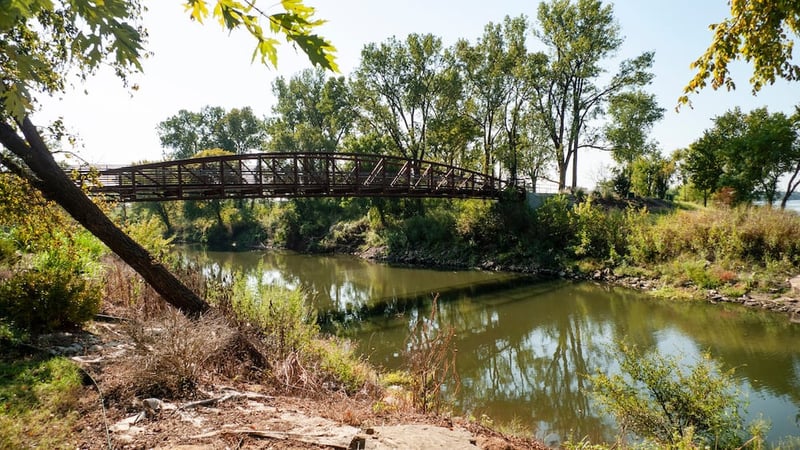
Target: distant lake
<point>791,205</point>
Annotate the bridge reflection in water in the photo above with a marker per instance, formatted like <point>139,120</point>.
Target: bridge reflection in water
<point>290,175</point>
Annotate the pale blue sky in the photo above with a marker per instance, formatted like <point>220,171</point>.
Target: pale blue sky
<point>195,65</point>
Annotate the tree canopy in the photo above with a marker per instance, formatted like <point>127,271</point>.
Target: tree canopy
<point>237,131</point>
<point>762,33</point>
<point>47,41</point>
<point>745,153</point>
<point>579,37</point>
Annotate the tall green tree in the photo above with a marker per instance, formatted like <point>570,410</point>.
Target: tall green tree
<point>745,152</point>
<point>45,42</point>
<point>187,132</point>
<point>794,171</point>
<point>631,116</point>
<point>762,33</point>
<point>398,86</point>
<point>241,131</point>
<point>484,68</point>
<point>651,174</point>
<point>312,113</point>
<point>579,37</point>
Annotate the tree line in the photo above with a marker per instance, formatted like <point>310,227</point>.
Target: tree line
<point>491,105</point>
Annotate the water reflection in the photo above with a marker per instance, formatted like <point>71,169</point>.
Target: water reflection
<point>523,351</point>
<point>344,284</point>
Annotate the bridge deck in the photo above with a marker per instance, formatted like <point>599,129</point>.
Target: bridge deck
<point>289,175</point>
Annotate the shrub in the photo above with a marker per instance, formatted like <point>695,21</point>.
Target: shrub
<point>433,229</point>
<point>553,223</point>
<point>299,357</point>
<point>43,301</point>
<point>278,313</point>
<point>656,398</point>
<point>598,233</point>
<point>61,289</point>
<point>171,353</point>
<point>431,359</point>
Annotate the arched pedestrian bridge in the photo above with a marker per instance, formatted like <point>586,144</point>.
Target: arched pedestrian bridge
<point>292,175</point>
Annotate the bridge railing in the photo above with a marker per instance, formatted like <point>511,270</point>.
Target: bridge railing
<point>293,175</point>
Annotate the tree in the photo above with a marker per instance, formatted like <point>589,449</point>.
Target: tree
<point>794,179</point>
<point>579,37</point>
<point>651,174</point>
<point>702,166</point>
<point>240,131</point>
<point>535,157</point>
<point>186,133</point>
<point>44,42</point>
<point>745,152</point>
<point>632,115</point>
<point>397,86</point>
<point>658,397</point>
<point>486,69</point>
<point>313,113</point>
<point>760,32</point>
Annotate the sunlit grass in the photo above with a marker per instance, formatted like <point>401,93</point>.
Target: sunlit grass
<point>37,402</point>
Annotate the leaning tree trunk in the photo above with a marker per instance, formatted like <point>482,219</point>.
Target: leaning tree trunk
<point>57,186</point>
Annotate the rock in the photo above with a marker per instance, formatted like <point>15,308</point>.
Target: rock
<point>795,284</point>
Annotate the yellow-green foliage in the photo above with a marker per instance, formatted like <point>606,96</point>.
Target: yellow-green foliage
<point>656,398</point>
<point>57,287</point>
<point>37,400</point>
<point>149,233</point>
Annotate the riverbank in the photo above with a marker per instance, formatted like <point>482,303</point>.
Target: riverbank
<point>219,411</point>
<point>785,301</point>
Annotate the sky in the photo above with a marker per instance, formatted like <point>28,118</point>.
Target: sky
<point>193,65</point>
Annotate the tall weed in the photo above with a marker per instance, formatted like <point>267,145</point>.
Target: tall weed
<point>431,358</point>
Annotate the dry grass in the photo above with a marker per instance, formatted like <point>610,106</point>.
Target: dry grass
<point>172,354</point>
<point>128,295</point>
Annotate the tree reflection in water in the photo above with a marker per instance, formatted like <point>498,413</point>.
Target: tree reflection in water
<point>524,351</point>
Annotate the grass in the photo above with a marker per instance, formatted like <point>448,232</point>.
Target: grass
<point>38,399</point>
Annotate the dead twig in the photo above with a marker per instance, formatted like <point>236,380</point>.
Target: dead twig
<point>223,398</point>
<point>308,438</point>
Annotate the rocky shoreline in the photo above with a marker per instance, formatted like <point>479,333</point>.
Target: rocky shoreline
<point>786,303</point>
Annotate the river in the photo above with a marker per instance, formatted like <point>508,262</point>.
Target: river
<point>524,345</point>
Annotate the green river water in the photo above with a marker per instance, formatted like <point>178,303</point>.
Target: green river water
<point>524,345</point>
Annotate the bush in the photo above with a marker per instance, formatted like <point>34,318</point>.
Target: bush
<point>280,314</point>
<point>298,356</point>
<point>553,223</point>
<point>656,398</point>
<point>61,289</point>
<point>601,234</point>
<point>171,353</point>
<point>42,301</point>
<point>756,235</point>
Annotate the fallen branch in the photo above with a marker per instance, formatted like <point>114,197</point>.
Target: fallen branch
<point>321,439</point>
<point>223,398</point>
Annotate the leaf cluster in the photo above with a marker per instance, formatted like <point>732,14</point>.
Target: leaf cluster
<point>296,23</point>
<point>656,398</point>
<point>44,41</point>
<point>761,32</point>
